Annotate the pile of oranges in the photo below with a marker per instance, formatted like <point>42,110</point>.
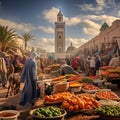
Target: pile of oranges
<point>76,103</point>
<point>58,97</point>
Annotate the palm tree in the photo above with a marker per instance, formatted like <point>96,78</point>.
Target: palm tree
<point>27,37</point>
<point>6,36</point>
<point>12,45</point>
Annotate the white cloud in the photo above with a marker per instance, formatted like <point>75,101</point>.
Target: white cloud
<point>72,21</point>
<point>46,29</point>
<point>44,43</point>
<point>49,43</point>
<point>99,7</point>
<point>104,18</point>
<point>90,7</point>
<point>96,8</point>
<point>75,42</point>
<point>22,27</point>
<point>90,31</point>
<point>90,27</point>
<point>101,3</point>
<point>51,16</point>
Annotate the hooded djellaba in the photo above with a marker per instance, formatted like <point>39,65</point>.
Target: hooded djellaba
<point>29,77</point>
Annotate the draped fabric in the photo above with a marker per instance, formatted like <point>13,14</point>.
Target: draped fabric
<point>29,76</point>
<point>3,71</point>
<point>3,65</point>
<point>113,50</point>
<point>99,52</point>
<point>68,70</point>
<point>118,42</point>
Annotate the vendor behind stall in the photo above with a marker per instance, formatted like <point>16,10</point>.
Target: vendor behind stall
<point>67,69</point>
<point>115,61</point>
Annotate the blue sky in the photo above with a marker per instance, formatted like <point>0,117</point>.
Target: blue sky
<point>83,19</point>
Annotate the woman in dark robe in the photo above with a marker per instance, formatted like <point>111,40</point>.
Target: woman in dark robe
<point>29,77</point>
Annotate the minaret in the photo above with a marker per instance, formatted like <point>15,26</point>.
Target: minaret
<point>59,36</point>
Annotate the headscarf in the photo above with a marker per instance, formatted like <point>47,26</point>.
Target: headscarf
<point>99,58</point>
<point>33,55</point>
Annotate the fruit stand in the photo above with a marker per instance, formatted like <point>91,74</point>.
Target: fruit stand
<point>80,99</point>
<point>85,102</point>
<point>112,75</point>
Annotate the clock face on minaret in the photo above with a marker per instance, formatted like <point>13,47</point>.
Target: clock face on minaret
<point>60,34</point>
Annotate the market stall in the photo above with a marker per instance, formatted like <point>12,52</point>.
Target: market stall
<point>112,75</point>
<point>75,97</point>
<point>81,98</point>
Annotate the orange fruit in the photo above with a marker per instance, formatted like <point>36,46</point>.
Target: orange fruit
<point>75,101</point>
<point>87,106</point>
<point>65,104</point>
<point>51,98</point>
<point>76,107</point>
<point>46,98</point>
<point>71,108</point>
<point>81,104</point>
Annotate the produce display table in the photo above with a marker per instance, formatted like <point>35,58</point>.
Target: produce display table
<point>25,116</point>
<point>111,74</point>
<point>99,82</point>
<point>80,115</point>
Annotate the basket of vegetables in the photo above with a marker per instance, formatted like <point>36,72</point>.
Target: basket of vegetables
<point>48,113</point>
<point>109,112</point>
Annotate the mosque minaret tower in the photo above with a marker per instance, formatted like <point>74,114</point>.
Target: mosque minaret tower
<point>60,36</point>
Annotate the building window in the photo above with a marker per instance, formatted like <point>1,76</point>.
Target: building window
<point>59,49</point>
<point>59,37</point>
<point>59,18</point>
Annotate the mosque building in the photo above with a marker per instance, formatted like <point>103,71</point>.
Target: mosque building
<point>107,42</point>
<point>71,50</point>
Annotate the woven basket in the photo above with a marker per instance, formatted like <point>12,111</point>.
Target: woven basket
<point>53,103</point>
<point>48,118</point>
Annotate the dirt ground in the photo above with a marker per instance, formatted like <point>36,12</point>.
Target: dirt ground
<point>11,100</point>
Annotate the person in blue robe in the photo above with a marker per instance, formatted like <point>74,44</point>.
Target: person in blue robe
<point>29,77</point>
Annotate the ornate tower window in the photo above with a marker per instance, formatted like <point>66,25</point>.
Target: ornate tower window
<point>59,37</point>
<point>59,18</point>
<point>60,49</point>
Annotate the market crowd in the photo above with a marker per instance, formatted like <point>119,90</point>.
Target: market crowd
<point>91,64</point>
<point>30,66</point>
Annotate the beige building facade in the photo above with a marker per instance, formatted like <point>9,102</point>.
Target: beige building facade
<point>104,40</point>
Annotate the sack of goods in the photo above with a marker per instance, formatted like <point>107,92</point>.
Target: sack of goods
<point>60,87</point>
